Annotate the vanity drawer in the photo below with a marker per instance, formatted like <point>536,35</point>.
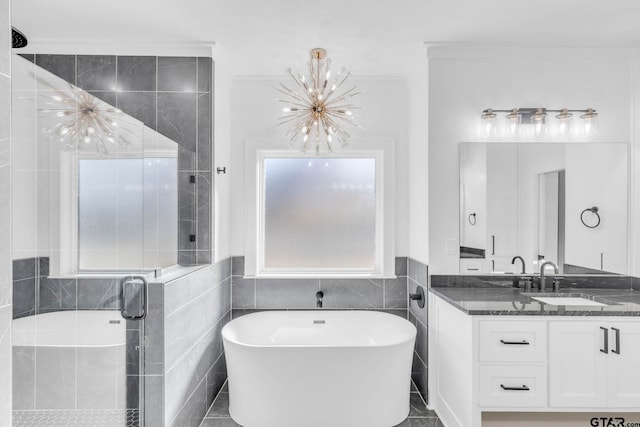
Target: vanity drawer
<point>472,266</point>
<point>512,386</point>
<point>512,341</point>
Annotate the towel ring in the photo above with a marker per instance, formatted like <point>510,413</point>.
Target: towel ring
<point>593,210</point>
<point>472,219</point>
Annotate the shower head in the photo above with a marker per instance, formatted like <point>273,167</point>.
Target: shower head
<point>19,39</point>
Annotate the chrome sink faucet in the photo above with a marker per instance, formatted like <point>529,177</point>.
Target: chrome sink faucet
<point>542,278</point>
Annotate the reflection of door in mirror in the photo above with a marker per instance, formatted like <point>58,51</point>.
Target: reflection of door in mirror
<point>551,217</point>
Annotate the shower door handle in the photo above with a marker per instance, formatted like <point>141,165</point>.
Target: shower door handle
<point>134,297</point>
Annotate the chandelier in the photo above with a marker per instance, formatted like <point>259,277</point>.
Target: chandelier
<point>317,110</point>
<point>83,118</point>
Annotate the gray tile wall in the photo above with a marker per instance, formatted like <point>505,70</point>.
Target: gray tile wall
<point>418,276</point>
<point>172,95</point>
<point>34,292</point>
<point>5,217</point>
<point>184,359</point>
<point>251,294</point>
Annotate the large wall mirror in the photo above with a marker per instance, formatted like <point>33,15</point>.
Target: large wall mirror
<point>559,202</point>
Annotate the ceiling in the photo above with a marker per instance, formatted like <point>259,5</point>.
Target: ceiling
<point>371,37</point>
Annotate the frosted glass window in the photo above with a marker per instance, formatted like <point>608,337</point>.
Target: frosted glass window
<point>127,213</point>
<point>319,214</point>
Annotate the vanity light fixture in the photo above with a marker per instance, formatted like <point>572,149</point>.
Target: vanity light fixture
<point>530,122</point>
<point>317,110</point>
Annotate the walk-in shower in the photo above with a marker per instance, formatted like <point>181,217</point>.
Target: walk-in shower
<point>103,202</point>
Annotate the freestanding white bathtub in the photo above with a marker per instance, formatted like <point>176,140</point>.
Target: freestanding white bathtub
<point>319,368</point>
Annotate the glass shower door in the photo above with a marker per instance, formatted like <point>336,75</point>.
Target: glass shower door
<point>89,184</point>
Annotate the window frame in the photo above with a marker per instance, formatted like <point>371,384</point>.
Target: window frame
<point>382,151</point>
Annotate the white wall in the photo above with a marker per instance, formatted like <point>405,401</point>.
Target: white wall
<point>221,221</point>
<point>418,158</point>
<point>634,190</point>
<point>463,81</point>
<point>255,113</point>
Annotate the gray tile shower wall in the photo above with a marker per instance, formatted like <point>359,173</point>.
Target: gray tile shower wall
<point>6,308</point>
<point>172,95</point>
<point>184,357</point>
<point>418,276</point>
<point>34,292</point>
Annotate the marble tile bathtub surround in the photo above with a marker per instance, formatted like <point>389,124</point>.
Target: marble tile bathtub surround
<point>390,295</point>
<point>339,293</point>
<point>418,276</point>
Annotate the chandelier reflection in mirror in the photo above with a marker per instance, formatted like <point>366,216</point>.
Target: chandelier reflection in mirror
<point>532,122</point>
<point>83,119</point>
<point>317,109</point>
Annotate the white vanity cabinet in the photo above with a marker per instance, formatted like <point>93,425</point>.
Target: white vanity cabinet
<point>594,363</point>
<point>486,363</point>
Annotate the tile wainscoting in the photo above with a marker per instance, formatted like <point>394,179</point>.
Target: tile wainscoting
<point>184,359</point>
<point>418,275</point>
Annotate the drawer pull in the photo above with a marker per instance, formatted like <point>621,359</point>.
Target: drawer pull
<point>617,349</point>
<point>509,388</point>
<point>605,350</point>
<point>523,342</point>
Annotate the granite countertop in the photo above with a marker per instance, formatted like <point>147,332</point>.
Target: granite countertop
<point>509,301</point>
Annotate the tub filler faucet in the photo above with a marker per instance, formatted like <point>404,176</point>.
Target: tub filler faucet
<point>319,296</point>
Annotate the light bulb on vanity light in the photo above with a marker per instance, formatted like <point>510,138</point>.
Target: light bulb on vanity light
<point>590,122</point>
<point>489,123</point>
<point>564,122</point>
<point>539,118</point>
<point>514,119</point>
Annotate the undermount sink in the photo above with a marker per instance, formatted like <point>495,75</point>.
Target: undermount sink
<point>568,301</point>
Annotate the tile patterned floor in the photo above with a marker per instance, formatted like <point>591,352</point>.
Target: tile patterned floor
<point>76,418</point>
<point>419,415</point>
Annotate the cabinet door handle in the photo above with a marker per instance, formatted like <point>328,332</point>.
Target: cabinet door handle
<point>473,269</point>
<point>617,349</point>
<point>606,340</point>
<point>493,245</point>
<point>523,342</point>
<point>509,388</point>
